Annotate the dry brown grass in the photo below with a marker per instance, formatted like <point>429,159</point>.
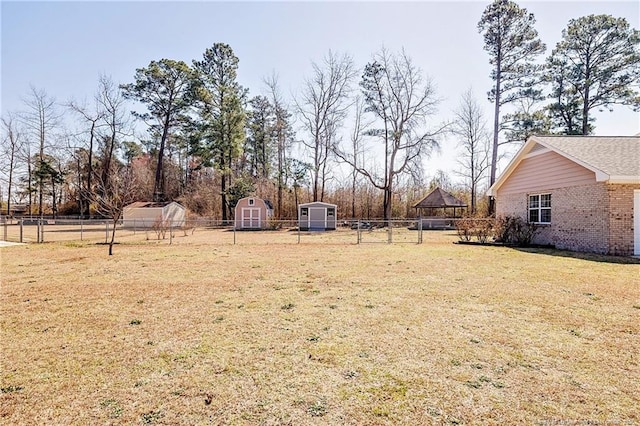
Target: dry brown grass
<point>325,332</point>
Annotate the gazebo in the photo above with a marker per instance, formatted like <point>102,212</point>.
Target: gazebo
<point>439,200</point>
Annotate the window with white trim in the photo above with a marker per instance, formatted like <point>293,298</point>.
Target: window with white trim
<point>540,208</point>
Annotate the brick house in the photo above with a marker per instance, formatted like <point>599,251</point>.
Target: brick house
<point>583,191</point>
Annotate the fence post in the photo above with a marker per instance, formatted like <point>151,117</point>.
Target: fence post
<point>106,232</point>
<point>81,228</point>
<point>419,230</point>
<point>389,232</point>
<point>234,232</point>
<point>21,230</point>
<point>5,230</point>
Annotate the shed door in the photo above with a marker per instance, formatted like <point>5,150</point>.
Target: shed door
<point>250,217</point>
<point>317,218</point>
<point>636,222</point>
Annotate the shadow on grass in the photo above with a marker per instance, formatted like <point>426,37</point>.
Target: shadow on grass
<point>551,251</point>
<point>578,255</point>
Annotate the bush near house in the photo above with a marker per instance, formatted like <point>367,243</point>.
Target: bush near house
<point>509,230</point>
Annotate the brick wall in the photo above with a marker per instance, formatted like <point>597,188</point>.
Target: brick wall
<point>579,216</point>
<point>621,219</point>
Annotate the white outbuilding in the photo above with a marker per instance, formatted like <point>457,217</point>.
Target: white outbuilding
<point>147,214</point>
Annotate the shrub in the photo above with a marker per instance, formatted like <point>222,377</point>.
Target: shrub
<point>464,228</point>
<point>514,230</point>
<point>160,227</point>
<point>478,228</point>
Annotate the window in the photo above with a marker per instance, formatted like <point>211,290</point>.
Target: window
<point>304,211</point>
<point>251,202</point>
<point>540,208</point>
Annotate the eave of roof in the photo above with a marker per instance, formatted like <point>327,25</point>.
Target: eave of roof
<point>601,175</point>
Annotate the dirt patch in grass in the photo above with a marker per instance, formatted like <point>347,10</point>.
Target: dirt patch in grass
<point>324,332</point>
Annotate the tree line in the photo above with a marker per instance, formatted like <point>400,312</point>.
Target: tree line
<point>208,142</point>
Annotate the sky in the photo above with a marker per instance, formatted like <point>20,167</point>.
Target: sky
<point>63,47</point>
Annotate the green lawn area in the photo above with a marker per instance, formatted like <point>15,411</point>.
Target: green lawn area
<point>322,332</point>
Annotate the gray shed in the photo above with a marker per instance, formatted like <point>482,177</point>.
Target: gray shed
<point>317,216</point>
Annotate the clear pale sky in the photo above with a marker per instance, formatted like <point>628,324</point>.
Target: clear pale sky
<point>63,47</point>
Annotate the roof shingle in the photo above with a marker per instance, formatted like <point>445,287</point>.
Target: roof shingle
<point>614,155</point>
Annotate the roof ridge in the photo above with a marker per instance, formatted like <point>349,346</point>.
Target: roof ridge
<point>587,136</point>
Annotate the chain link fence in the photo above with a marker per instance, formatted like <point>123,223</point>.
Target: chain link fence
<point>396,231</point>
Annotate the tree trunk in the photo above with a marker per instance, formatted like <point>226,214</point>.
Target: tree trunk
<point>496,130</point>
<point>10,180</point>
<point>158,187</point>
<point>113,236</point>
<point>585,106</point>
<point>87,195</point>
<point>223,188</point>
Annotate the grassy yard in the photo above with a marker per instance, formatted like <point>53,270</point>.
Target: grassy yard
<point>322,332</point>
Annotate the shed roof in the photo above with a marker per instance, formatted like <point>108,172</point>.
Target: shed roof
<point>318,204</point>
<point>267,203</point>
<point>439,198</point>
<point>613,159</point>
<point>150,204</point>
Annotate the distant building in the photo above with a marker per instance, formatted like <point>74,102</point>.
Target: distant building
<point>146,214</point>
<point>317,216</point>
<point>253,213</point>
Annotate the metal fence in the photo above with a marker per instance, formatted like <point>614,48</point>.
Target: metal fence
<point>99,231</point>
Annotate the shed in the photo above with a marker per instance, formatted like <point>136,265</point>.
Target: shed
<point>252,213</point>
<point>317,216</point>
<point>582,191</point>
<point>147,214</point>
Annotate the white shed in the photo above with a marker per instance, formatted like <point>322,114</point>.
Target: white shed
<point>317,216</point>
<point>146,214</point>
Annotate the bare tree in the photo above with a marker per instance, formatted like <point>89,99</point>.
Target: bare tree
<point>111,203</point>
<point>356,138</point>
<point>93,118</point>
<point>322,107</point>
<point>111,99</point>
<point>11,145</point>
<point>40,119</point>
<point>401,101</point>
<point>469,129</point>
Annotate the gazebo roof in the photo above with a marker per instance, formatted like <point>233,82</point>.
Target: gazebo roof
<point>439,198</point>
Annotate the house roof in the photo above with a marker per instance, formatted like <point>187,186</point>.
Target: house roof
<point>439,198</point>
<point>613,159</point>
